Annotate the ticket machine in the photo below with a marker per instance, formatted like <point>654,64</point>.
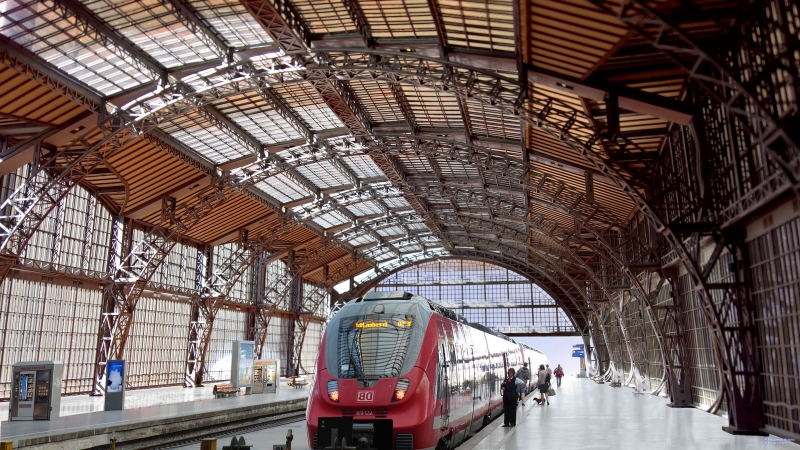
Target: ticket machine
<point>266,376</point>
<point>36,390</point>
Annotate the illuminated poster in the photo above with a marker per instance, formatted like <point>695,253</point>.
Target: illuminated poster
<point>246,363</point>
<point>26,387</point>
<point>115,379</point>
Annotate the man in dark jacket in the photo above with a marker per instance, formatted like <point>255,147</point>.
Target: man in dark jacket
<point>511,387</point>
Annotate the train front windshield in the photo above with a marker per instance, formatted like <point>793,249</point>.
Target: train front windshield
<point>373,346</point>
<point>370,345</point>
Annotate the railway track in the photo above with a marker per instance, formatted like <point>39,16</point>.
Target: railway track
<point>181,439</point>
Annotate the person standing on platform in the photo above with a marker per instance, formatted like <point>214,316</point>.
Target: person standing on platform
<point>559,372</point>
<point>524,374</point>
<point>542,385</point>
<point>511,388</point>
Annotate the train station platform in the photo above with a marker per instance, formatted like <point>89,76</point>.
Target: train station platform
<point>582,415</point>
<point>151,416</point>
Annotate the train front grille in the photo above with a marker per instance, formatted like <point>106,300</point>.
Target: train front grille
<point>404,442</point>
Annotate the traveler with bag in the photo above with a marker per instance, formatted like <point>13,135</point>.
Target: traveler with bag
<point>543,384</point>
<point>524,374</point>
<point>511,388</point>
<point>559,372</point>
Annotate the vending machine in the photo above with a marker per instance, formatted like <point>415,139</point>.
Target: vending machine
<point>36,391</point>
<point>266,376</point>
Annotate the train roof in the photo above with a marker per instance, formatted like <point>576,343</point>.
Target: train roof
<point>438,309</point>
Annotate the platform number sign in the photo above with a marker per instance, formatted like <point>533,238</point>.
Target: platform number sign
<point>365,396</point>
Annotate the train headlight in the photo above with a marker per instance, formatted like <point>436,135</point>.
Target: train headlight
<point>333,390</point>
<point>400,389</point>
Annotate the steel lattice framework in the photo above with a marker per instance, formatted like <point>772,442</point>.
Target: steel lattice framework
<point>267,155</point>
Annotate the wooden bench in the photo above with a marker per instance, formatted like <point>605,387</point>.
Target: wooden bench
<point>297,383</point>
<point>225,390</point>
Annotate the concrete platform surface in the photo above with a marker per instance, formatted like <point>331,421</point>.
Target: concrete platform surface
<point>82,404</point>
<point>582,415</point>
<point>95,428</point>
<point>589,416</point>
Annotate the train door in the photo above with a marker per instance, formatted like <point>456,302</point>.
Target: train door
<point>476,383</point>
<point>443,387</point>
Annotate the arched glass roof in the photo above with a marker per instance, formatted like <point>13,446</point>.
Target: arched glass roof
<point>484,293</point>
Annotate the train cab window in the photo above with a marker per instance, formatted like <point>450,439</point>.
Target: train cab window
<point>374,345</point>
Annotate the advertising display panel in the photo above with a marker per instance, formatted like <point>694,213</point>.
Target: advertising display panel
<point>242,364</point>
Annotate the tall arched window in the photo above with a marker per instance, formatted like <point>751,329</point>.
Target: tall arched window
<point>484,293</point>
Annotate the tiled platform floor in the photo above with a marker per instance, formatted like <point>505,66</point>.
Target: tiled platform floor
<point>583,415</point>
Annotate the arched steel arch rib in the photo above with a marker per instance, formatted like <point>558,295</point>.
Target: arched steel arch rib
<point>73,161</point>
<point>146,255</point>
<point>501,164</point>
<point>551,286</point>
<point>717,66</point>
<point>565,260</point>
<point>550,115</point>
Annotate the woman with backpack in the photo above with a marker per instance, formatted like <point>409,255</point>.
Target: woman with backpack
<point>559,372</point>
<point>543,384</point>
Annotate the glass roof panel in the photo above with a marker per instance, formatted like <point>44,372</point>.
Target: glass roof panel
<point>284,189</point>
<point>362,166</point>
<point>324,17</point>
<point>391,231</point>
<point>399,18</point>
<point>232,21</point>
<point>365,208</point>
<point>40,28</point>
<point>153,28</point>
<point>395,202</point>
<point>251,113</point>
<point>323,174</point>
<point>361,240</point>
<point>205,138</point>
<point>330,219</point>
<point>432,108</point>
<point>377,100</point>
<point>308,106</point>
<point>484,24</point>
<point>490,121</point>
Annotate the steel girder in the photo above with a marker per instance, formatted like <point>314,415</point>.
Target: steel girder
<point>216,290</point>
<point>24,63</point>
<point>747,75</point>
<point>136,269</point>
<point>186,95</point>
<point>463,81</point>
<point>748,69</point>
<point>533,273</point>
<point>281,287</point>
<point>470,196</point>
<point>567,259</point>
<point>666,313</point>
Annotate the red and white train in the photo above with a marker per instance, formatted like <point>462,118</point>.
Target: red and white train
<point>399,372</point>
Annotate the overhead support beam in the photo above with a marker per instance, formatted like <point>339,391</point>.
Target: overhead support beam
<point>441,31</point>
<point>636,100</point>
<point>231,128</point>
<point>284,24</point>
<point>357,15</point>
<point>26,63</point>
